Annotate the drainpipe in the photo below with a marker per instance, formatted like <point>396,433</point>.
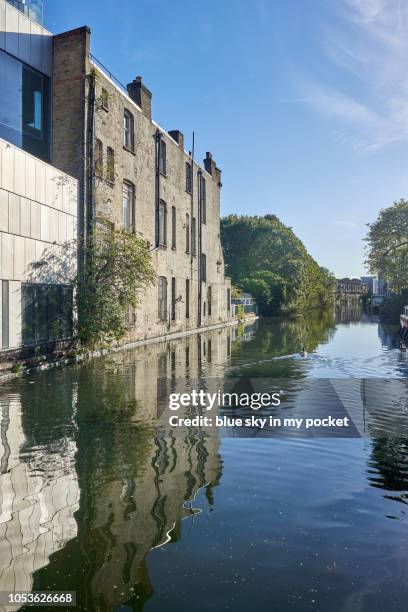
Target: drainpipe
<point>157,207</point>
<point>191,217</point>
<point>199,247</point>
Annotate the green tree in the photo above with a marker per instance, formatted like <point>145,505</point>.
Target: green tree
<point>117,267</point>
<point>387,245</point>
<point>265,257</point>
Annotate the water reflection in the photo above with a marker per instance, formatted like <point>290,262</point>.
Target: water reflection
<point>39,489</point>
<point>95,499</point>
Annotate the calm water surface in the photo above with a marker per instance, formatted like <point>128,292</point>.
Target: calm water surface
<point>93,499</point>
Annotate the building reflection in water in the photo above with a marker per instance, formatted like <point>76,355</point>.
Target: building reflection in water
<point>92,450</point>
<point>351,312</point>
<point>39,494</point>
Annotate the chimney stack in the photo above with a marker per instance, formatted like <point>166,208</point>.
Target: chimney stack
<point>211,168</point>
<point>178,137</point>
<point>209,163</point>
<point>139,93</point>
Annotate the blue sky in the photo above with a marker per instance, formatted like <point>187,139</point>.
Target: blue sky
<point>303,103</point>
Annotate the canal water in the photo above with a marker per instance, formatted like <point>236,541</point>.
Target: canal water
<point>95,499</point>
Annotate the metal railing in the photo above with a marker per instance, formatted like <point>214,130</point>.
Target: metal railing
<point>108,73</point>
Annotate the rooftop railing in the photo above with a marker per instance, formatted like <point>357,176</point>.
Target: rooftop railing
<point>108,73</point>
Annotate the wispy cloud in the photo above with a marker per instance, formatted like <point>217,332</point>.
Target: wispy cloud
<point>368,41</point>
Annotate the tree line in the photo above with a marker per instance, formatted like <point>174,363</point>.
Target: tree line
<point>266,258</point>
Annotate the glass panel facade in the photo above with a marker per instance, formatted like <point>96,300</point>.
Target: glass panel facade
<point>11,76</point>
<point>24,106</point>
<point>34,9</point>
<point>46,312</point>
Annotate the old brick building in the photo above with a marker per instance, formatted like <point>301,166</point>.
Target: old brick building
<point>136,175</point>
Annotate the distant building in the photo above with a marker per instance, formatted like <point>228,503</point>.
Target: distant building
<point>368,281</point>
<point>248,302</point>
<point>376,285</point>
<point>351,285</point>
<point>382,287</point>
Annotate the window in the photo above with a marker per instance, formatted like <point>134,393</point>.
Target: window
<point>193,236</point>
<point>203,203</point>
<point>228,299</point>
<point>33,95</point>
<point>209,300</point>
<point>173,227</point>
<point>130,316</point>
<point>24,103</point>
<point>162,157</point>
<point>162,223</point>
<point>203,268</point>
<point>128,130</point>
<point>128,217</point>
<point>173,299</point>
<point>162,298</point>
<point>110,165</point>
<point>46,312</point>
<point>98,157</point>
<point>5,314</point>
<point>104,99</point>
<point>187,298</point>
<point>187,233</point>
<point>189,177</point>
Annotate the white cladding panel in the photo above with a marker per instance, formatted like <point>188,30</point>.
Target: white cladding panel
<point>38,207</point>
<point>25,39</point>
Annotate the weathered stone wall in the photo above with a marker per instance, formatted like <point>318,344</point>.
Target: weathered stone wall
<point>138,167</point>
<point>69,107</point>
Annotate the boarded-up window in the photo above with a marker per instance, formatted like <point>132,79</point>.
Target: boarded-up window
<point>98,157</point>
<point>128,206</point>
<point>173,227</point>
<point>187,298</point>
<point>189,178</point>
<point>128,130</point>
<point>162,298</point>
<point>110,165</point>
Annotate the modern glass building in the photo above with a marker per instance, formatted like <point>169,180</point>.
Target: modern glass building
<point>38,202</point>
<point>24,106</point>
<point>34,9</point>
